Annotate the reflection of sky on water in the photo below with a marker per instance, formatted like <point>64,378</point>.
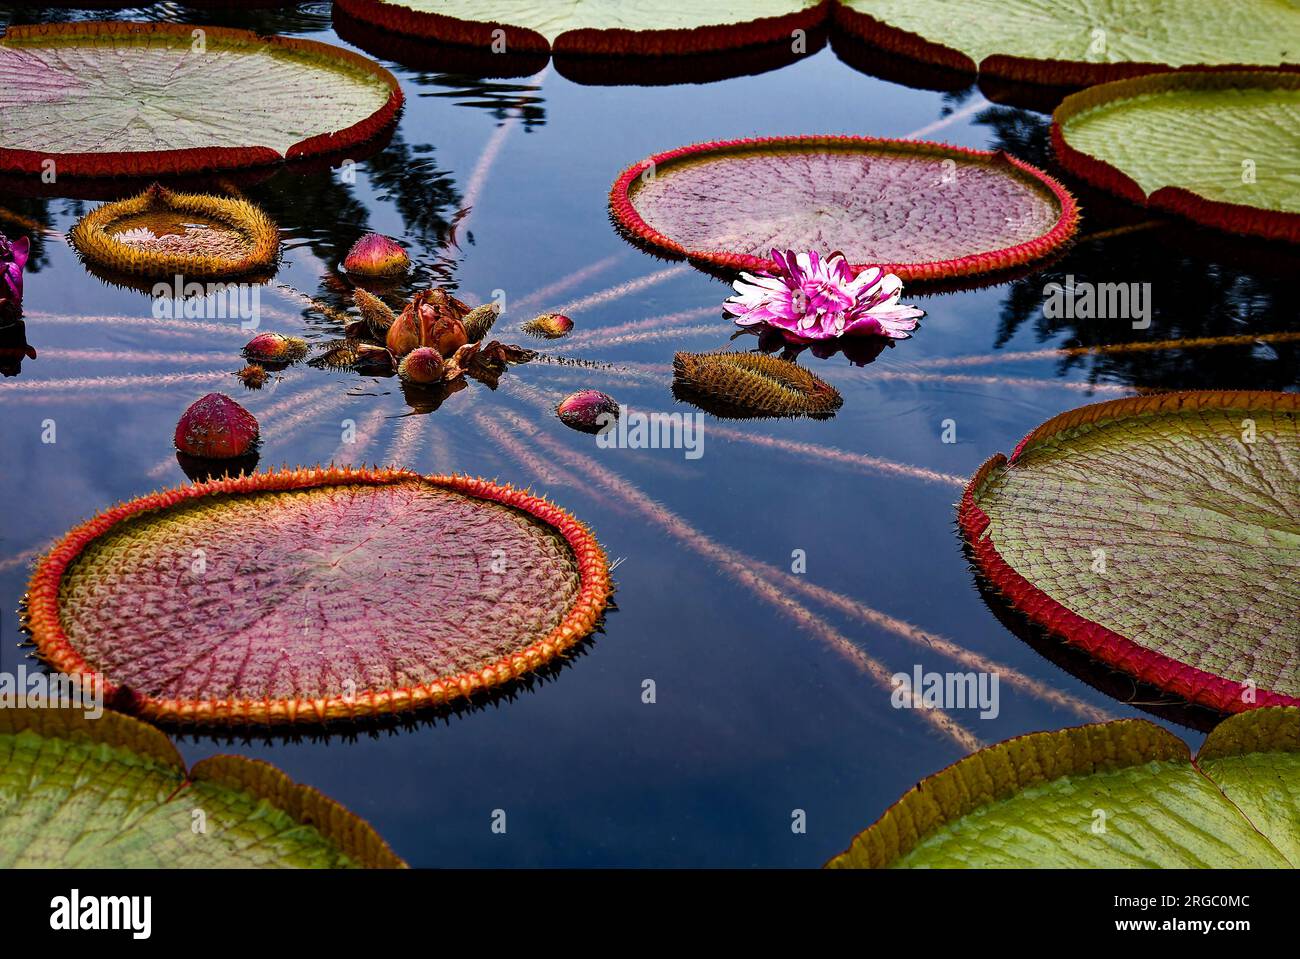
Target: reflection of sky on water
<point>755,716</point>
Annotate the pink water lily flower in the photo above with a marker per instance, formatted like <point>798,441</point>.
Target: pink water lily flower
<point>809,298</point>
<point>13,257</point>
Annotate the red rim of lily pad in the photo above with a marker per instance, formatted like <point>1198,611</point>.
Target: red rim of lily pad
<point>1103,644</point>
<point>1007,258</point>
<point>44,622</point>
<point>1076,73</point>
<point>196,159</point>
<point>611,42</point>
<point>1235,217</point>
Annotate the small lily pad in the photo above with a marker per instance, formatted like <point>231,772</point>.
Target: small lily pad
<point>164,234</point>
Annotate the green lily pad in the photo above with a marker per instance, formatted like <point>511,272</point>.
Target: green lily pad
<point>1119,794</point>
<point>606,27</point>
<point>105,99</point>
<point>1131,137</point>
<point>113,792</point>
<point>1160,535</point>
<point>1078,41</point>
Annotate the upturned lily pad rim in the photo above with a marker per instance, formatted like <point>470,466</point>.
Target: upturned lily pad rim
<point>91,239</point>
<point>1103,644</point>
<point>1236,217</point>
<point>401,19</point>
<point>985,262</point>
<point>42,618</point>
<point>798,391</point>
<point>1022,69</point>
<point>1117,744</point>
<point>197,159</point>
<point>335,822</point>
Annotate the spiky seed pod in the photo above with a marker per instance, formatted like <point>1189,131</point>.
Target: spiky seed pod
<point>275,348</point>
<point>479,320</point>
<point>253,376</point>
<point>375,313</point>
<point>751,384</point>
<point>548,326</point>
<point>375,255</point>
<point>216,427</point>
<point>161,234</point>
<point>423,365</point>
<point>335,355</point>
<point>367,358</point>
<point>590,411</point>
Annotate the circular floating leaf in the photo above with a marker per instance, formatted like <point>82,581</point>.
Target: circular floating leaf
<point>745,385</point>
<point>164,234</point>
<point>316,594</point>
<point>1032,802</point>
<point>1131,137</point>
<point>105,99</point>
<point>603,27</point>
<point>925,211</point>
<point>491,58</point>
<point>1076,41</point>
<point>113,792</point>
<point>1161,535</point>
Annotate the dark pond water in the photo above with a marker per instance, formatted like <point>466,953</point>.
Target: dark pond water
<point>761,708</point>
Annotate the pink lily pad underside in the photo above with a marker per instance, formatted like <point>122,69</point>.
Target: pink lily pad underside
<point>927,211</point>
<point>323,593</point>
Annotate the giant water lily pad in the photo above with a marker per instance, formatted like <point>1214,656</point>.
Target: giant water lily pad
<point>110,791</point>
<point>1161,535</point>
<point>606,27</point>
<point>316,594</point>
<point>146,98</point>
<point>925,211</point>
<point>1120,794</point>
<point>1077,41</point>
<point>162,234</point>
<point>1131,137</point>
